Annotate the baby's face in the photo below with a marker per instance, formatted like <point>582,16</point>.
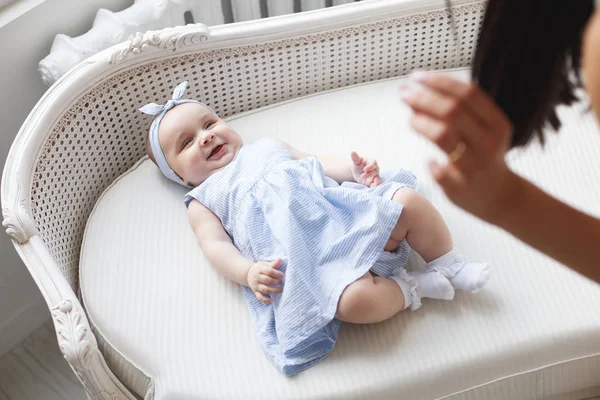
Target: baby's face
<point>196,142</point>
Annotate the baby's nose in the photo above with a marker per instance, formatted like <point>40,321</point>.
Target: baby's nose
<point>208,138</point>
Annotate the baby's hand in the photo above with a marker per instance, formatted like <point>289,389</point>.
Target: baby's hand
<point>261,275</point>
<point>365,171</point>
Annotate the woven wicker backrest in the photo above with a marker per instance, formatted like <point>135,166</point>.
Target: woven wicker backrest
<point>102,134</point>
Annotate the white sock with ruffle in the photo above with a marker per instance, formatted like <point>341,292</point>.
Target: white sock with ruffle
<point>405,287</point>
<point>433,285</point>
<point>415,285</point>
<point>461,274</point>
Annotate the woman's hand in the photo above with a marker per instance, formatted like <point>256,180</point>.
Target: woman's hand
<point>364,171</point>
<point>263,274</point>
<point>467,125</point>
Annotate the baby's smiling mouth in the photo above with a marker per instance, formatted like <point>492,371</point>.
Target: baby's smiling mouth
<point>215,151</point>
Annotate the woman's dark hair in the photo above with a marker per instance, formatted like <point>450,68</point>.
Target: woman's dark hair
<point>528,60</point>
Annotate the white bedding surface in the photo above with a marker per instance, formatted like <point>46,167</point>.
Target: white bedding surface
<point>170,325</point>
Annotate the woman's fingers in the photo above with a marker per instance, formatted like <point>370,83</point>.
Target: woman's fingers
<point>444,117</point>
<point>449,177</point>
<point>469,94</point>
<point>448,140</point>
<point>449,112</point>
<point>434,130</point>
<point>468,126</point>
<point>423,98</point>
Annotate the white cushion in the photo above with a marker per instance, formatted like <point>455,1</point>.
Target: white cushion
<point>168,323</point>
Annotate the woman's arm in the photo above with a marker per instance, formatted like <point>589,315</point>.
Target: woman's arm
<point>450,113</point>
<point>217,245</point>
<point>562,232</point>
<point>356,169</point>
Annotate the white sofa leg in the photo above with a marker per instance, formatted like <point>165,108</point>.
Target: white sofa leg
<point>80,348</point>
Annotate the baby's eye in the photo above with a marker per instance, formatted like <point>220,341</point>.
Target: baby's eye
<point>208,124</point>
<point>185,143</point>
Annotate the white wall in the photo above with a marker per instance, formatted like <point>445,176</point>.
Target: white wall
<point>23,43</point>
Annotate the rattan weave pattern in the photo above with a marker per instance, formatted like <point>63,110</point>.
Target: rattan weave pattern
<point>103,134</point>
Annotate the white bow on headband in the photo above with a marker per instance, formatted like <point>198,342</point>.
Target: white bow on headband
<point>161,110</point>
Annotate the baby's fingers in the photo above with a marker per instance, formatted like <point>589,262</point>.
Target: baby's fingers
<point>356,159</point>
<point>369,178</point>
<point>376,181</point>
<point>267,280</point>
<point>262,298</point>
<point>268,290</point>
<point>270,269</point>
<point>275,263</point>
<point>371,166</point>
<point>272,272</point>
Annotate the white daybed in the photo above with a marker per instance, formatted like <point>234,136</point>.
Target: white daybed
<point>139,312</point>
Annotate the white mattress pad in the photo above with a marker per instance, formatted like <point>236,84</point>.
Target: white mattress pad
<point>171,327</point>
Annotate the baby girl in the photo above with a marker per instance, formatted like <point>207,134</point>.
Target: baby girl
<point>312,240</point>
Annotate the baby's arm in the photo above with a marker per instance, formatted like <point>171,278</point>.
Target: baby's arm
<point>217,245</point>
<point>227,259</point>
<point>342,170</point>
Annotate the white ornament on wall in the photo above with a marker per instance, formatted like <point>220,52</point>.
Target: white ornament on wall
<point>109,29</point>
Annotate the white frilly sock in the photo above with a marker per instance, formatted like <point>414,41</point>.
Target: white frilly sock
<point>415,285</point>
<point>433,285</point>
<point>462,275</point>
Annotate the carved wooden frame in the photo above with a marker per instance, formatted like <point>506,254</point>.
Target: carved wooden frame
<point>75,337</point>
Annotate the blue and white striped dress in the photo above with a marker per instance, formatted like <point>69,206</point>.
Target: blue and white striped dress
<point>327,235</point>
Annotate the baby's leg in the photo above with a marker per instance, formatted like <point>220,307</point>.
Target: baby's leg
<point>369,300</point>
<point>374,299</point>
<point>421,225</point>
<point>426,232</point>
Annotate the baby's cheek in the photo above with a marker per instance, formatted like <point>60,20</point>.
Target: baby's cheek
<point>194,167</point>
<point>190,169</point>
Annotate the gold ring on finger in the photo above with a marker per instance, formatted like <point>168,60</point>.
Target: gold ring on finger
<point>458,152</point>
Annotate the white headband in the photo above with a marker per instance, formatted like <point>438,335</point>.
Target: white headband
<point>157,109</point>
